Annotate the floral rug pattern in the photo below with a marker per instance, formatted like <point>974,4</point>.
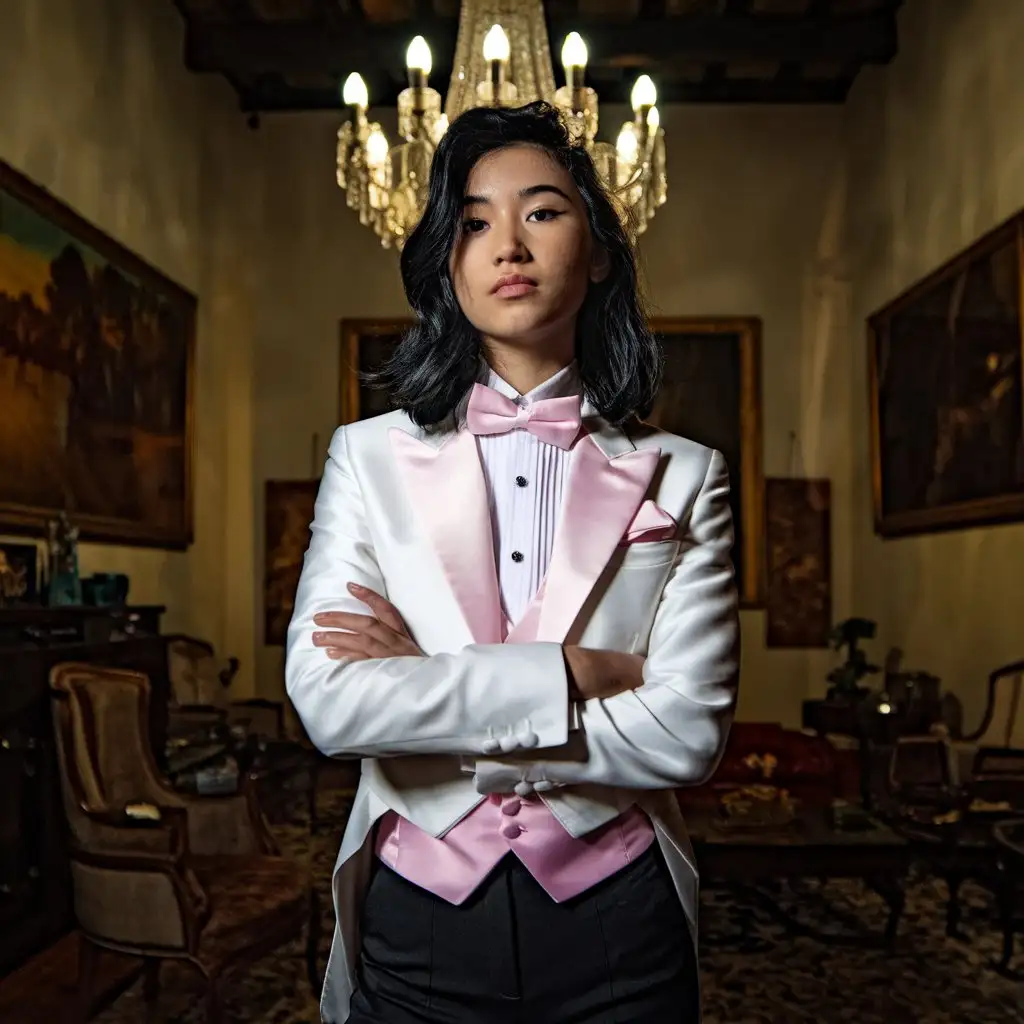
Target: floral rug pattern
<point>753,971</point>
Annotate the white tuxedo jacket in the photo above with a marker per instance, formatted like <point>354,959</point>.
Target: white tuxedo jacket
<point>404,511</point>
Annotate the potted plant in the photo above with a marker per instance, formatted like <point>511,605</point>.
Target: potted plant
<point>845,678</point>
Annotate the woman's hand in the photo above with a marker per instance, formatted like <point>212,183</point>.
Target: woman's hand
<point>600,673</point>
<point>381,635</point>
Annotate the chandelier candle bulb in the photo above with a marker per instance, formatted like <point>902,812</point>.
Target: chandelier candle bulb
<point>574,60</point>
<point>626,147</point>
<point>354,94</point>
<point>643,97</point>
<point>496,53</point>
<point>418,63</point>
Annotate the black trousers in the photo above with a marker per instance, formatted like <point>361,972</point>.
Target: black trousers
<point>619,953</point>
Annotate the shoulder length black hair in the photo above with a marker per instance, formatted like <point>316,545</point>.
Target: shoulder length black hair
<point>438,360</point>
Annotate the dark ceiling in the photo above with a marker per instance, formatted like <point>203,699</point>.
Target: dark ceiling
<point>293,54</point>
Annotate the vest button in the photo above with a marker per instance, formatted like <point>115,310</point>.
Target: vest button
<point>520,481</point>
<point>517,556</point>
<point>511,806</point>
<point>511,830</point>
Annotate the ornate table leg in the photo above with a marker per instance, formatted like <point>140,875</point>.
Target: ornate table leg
<point>891,890</point>
<point>954,912</point>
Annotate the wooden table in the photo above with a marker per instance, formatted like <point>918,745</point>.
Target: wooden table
<point>809,848</point>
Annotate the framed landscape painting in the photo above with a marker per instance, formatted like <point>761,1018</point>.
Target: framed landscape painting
<point>711,393</point>
<point>947,418</point>
<point>96,363</point>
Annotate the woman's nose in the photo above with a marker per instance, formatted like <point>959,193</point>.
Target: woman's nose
<point>509,246</point>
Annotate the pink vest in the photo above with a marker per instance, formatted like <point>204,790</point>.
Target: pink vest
<point>452,867</point>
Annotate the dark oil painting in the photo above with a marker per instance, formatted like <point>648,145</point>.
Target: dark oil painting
<point>798,548</point>
<point>289,513</point>
<point>945,372</point>
<point>711,393</point>
<point>95,379</point>
<point>365,346</point>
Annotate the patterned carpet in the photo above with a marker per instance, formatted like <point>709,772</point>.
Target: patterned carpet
<point>753,972</point>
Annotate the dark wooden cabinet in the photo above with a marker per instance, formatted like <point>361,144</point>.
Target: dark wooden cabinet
<point>35,883</point>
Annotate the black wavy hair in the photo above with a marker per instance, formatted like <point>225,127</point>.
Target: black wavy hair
<point>438,359</point>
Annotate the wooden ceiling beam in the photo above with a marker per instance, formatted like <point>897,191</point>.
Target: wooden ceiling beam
<point>714,89</point>
<point>249,50</point>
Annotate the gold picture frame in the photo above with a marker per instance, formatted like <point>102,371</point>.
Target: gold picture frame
<point>97,379</point>
<point>711,393</point>
<point>946,390</point>
<point>364,344</point>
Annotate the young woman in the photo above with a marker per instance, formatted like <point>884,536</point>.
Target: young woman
<point>518,608</point>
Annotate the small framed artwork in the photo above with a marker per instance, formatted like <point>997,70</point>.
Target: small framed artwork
<point>711,393</point>
<point>365,346</point>
<point>947,419</point>
<point>289,513</point>
<point>798,548</point>
<point>19,575</point>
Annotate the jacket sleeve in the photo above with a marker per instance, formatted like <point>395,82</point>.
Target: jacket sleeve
<point>485,699</point>
<point>671,730</point>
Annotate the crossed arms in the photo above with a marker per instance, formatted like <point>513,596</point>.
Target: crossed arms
<point>667,732</point>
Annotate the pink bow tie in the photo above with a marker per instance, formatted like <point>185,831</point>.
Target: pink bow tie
<point>551,420</point>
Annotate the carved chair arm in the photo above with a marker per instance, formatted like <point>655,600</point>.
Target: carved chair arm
<point>165,840</point>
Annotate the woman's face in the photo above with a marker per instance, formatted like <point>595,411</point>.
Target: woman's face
<point>524,256</point>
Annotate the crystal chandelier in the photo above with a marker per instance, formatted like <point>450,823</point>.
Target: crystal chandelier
<point>502,59</point>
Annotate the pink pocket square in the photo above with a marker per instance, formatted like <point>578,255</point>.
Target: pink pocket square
<point>651,523</point>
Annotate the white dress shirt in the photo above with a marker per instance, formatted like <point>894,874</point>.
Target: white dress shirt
<point>526,479</point>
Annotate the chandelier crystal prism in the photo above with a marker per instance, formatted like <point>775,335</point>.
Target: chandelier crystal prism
<point>502,59</point>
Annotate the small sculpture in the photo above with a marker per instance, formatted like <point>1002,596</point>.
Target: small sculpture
<point>65,587</point>
<point>846,678</point>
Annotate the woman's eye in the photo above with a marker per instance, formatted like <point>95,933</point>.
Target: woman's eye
<point>544,215</point>
<point>473,225</point>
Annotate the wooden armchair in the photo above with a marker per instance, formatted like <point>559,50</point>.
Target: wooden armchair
<point>202,882</point>
<point>1009,838</point>
<point>200,687</point>
<point>1002,724</point>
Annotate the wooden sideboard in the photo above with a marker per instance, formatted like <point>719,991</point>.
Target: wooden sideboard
<point>35,880</point>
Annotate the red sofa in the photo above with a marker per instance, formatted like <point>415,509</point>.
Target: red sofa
<point>813,771</point>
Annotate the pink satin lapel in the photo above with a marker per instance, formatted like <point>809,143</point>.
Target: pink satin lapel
<point>447,489</point>
<point>602,497</point>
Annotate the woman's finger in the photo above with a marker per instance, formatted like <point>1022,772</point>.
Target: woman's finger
<point>381,607</point>
<point>336,655</point>
<point>344,620</point>
<point>326,639</point>
<point>350,643</point>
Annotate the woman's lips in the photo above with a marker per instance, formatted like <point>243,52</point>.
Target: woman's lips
<point>514,286</point>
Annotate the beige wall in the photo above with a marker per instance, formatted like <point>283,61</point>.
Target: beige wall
<point>936,159</point>
<point>101,112</point>
<point>99,109</point>
<point>752,226</point>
